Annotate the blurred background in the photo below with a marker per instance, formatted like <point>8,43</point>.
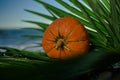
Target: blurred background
<point>12,27</point>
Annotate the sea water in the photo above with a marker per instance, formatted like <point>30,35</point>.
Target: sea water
<point>15,39</point>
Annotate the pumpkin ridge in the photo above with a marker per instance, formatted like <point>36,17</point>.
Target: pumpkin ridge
<point>70,50</point>
<point>50,40</point>
<point>64,51</point>
<point>59,34</point>
<point>77,40</point>
<point>67,35</point>
<point>71,32</point>
<point>50,49</point>
<point>66,55</point>
<point>54,36</point>
<point>67,48</point>
<point>55,52</point>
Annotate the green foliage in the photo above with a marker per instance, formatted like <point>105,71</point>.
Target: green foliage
<point>20,64</point>
<point>11,52</point>
<point>101,19</point>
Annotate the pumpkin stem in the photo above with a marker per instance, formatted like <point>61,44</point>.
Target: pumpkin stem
<point>59,44</point>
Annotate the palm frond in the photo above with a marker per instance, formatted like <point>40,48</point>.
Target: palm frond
<point>41,14</point>
<point>42,25</point>
<point>33,36</point>
<point>45,68</point>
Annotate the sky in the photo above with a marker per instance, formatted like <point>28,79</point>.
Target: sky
<point>12,13</point>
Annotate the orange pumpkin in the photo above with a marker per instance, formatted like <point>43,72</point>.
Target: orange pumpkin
<point>65,38</point>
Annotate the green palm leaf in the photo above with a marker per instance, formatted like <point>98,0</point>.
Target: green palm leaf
<point>41,14</point>
<point>101,19</point>
<point>45,68</point>
<point>42,26</point>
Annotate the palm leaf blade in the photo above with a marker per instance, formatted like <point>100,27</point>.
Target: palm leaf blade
<point>33,36</point>
<point>42,25</point>
<point>40,14</point>
<point>61,13</point>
